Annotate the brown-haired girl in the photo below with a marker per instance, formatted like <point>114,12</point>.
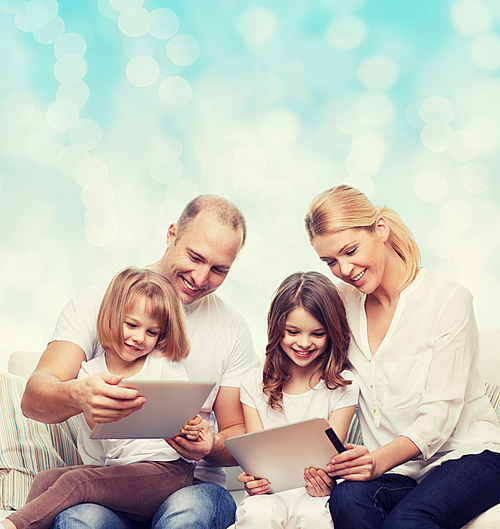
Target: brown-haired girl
<point>431,453</point>
<point>141,329</point>
<point>304,376</point>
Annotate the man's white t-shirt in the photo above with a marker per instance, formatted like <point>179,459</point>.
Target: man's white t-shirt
<point>112,452</point>
<point>221,347</point>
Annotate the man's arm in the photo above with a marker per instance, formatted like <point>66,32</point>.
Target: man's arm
<point>53,393</point>
<point>230,420</point>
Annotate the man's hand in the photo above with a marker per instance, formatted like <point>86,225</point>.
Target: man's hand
<point>318,482</point>
<point>102,400</point>
<point>194,450</point>
<point>254,486</point>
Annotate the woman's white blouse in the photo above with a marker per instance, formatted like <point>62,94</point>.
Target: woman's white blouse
<point>422,382</point>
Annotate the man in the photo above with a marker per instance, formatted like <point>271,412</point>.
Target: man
<point>201,248</point>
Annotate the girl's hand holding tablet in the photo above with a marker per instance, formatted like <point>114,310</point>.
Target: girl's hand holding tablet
<point>197,449</point>
<point>254,486</point>
<point>192,429</point>
<point>318,482</point>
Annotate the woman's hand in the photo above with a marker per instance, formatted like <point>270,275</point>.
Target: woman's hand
<point>192,429</point>
<point>318,482</point>
<point>355,464</point>
<point>254,486</point>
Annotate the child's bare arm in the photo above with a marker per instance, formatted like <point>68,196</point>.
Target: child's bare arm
<point>192,429</point>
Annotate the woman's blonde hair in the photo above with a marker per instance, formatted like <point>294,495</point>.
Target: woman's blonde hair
<point>344,207</point>
<point>161,304</point>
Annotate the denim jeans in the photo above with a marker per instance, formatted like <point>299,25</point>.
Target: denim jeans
<point>202,505</point>
<point>449,497</point>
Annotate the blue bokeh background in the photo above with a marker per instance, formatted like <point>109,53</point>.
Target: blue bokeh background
<point>114,113</point>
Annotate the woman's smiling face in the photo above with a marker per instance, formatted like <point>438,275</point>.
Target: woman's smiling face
<point>356,256</point>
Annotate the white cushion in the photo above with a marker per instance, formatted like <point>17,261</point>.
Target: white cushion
<point>488,520</point>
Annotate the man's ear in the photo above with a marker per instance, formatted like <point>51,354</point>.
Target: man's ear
<point>171,234</point>
<point>382,228</point>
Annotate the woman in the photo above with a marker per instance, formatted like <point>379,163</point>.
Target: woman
<point>431,454</point>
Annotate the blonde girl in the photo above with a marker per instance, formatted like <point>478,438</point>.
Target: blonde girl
<point>305,375</point>
<point>141,329</point>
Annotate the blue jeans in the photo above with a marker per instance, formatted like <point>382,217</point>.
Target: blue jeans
<point>202,505</point>
<point>449,497</point>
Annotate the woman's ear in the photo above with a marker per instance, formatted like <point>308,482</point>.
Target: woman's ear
<point>382,229</point>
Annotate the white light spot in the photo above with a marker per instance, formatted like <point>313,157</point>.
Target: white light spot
<point>465,146</point>
<point>162,150</point>
<point>277,195</point>
<point>456,215</point>
<point>431,186</point>
<point>305,186</point>
<point>86,134</point>
<point>107,10</point>
<point>70,67</point>
<point>69,158</point>
<point>350,121</point>
<point>62,114</point>
<point>436,108</point>
<point>370,140</point>
<point>122,5</point>
<point>487,131</point>
<point>250,159</point>
<point>413,115</point>
<point>135,46</point>
<point>101,226</point>
<point>91,172</point>
<point>379,107</point>
<point>77,92</point>
<point>476,177</point>
<point>175,92</point>
<point>164,23</point>
<point>182,188</point>
<point>18,109</point>
<point>437,137</point>
<point>444,242</point>
<point>257,25</point>
<point>279,127</point>
<point>183,50</point>
<point>32,15</point>
<point>134,21</point>
<point>98,196</point>
<point>10,6</point>
<point>50,32</point>
<point>471,17</point>
<point>70,43</point>
<point>249,185</point>
<point>346,32</point>
<point>485,52</point>
<point>142,71</point>
<point>362,163</point>
<point>168,172</point>
<point>378,73</point>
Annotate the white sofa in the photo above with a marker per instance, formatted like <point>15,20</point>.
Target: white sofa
<point>27,446</point>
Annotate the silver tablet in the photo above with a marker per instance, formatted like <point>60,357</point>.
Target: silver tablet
<point>169,406</point>
<point>282,454</point>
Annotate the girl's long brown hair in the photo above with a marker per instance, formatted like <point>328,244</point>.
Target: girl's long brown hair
<point>162,304</point>
<point>317,295</point>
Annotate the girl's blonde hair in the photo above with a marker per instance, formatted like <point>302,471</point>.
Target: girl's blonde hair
<point>344,207</point>
<point>318,296</point>
<point>161,304</point>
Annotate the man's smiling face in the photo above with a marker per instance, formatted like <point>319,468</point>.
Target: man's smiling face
<point>198,262</point>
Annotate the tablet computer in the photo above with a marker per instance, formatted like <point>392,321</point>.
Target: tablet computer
<point>281,454</point>
<point>169,406</point>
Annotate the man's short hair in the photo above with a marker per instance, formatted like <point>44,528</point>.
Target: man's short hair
<point>223,210</point>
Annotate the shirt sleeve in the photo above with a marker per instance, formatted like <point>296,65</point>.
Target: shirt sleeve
<point>345,396</point>
<point>241,355</point>
<point>251,384</point>
<point>77,322</point>
<point>454,349</point>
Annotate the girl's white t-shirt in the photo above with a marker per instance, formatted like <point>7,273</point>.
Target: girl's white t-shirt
<point>110,452</point>
<point>317,402</point>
